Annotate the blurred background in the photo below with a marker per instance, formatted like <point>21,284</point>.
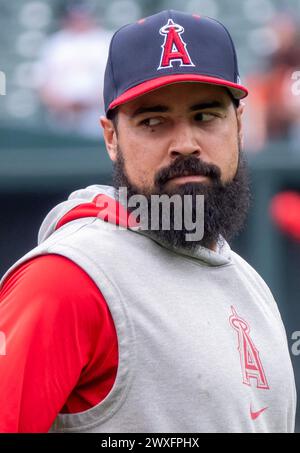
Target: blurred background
<point>53,55</point>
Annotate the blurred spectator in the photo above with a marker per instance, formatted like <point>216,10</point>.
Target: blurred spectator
<point>71,70</point>
<point>273,108</point>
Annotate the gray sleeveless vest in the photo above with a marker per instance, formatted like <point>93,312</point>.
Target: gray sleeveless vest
<point>202,347</point>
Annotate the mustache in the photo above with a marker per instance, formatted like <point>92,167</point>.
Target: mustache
<point>187,167</point>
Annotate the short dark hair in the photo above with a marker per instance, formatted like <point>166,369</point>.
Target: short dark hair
<point>236,102</point>
<point>113,116</point>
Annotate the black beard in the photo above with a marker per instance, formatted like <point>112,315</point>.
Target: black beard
<point>225,204</point>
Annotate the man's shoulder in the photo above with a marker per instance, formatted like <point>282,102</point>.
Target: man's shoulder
<point>50,284</point>
<point>48,273</point>
<point>250,274</point>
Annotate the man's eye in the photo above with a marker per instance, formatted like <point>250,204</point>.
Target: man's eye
<point>204,117</point>
<point>151,122</point>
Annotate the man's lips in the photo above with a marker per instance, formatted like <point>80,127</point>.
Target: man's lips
<point>189,178</point>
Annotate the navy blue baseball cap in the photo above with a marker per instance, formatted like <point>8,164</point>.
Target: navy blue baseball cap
<point>169,47</point>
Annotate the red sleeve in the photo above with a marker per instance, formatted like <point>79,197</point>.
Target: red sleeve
<point>61,350</point>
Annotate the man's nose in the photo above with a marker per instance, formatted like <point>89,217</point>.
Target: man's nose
<point>184,141</point>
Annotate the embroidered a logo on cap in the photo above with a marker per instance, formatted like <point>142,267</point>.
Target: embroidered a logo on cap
<point>173,48</point>
<point>249,356</point>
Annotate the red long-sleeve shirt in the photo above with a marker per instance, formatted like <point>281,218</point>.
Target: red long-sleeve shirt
<point>61,344</point>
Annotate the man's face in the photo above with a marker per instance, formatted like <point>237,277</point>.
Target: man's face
<point>183,119</point>
<point>184,138</point>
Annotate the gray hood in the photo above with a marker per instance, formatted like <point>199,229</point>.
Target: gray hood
<point>83,203</point>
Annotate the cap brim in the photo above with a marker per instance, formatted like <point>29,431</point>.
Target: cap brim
<point>238,91</point>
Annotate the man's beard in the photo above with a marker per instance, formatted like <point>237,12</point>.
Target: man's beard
<point>225,204</point>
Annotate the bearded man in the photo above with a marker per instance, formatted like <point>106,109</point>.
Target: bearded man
<point>133,315</point>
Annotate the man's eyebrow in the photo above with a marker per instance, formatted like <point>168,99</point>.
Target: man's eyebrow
<point>208,105</point>
<point>150,109</point>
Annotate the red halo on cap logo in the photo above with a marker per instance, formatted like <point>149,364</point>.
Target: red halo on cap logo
<point>173,48</point>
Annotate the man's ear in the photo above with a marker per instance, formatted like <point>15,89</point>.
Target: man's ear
<point>239,114</point>
<point>110,137</point>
